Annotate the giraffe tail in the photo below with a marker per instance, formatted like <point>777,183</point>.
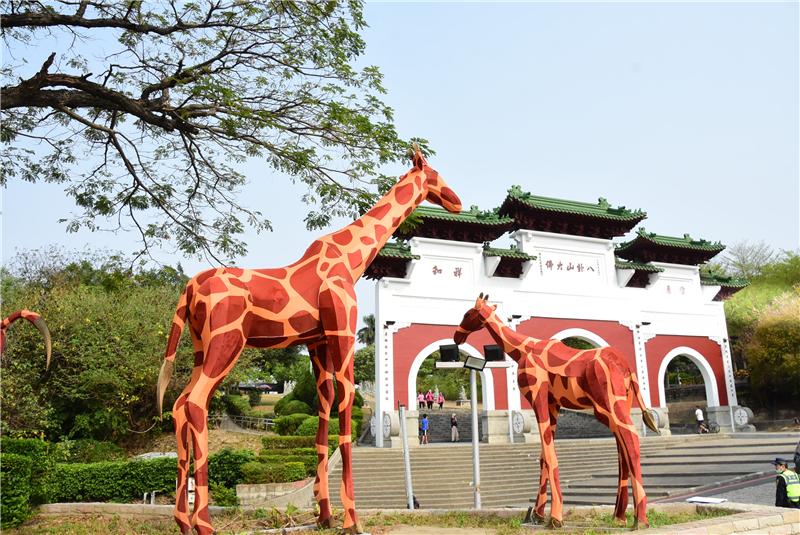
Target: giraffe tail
<point>165,374</point>
<point>37,321</point>
<point>647,414</point>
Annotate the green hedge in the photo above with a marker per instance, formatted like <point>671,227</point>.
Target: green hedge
<point>295,406</point>
<point>42,463</point>
<point>114,481</point>
<point>15,482</point>
<point>287,425</point>
<point>272,442</point>
<point>282,472</point>
<point>308,461</point>
<point>225,466</point>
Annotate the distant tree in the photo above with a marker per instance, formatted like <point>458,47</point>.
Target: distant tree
<point>773,353</point>
<point>366,334</point>
<point>364,367</point>
<point>747,260</point>
<point>145,110</point>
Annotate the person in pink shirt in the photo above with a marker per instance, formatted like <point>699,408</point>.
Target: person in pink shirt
<point>421,400</point>
<point>440,401</point>
<point>429,399</point>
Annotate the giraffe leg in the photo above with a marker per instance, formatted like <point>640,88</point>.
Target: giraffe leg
<point>541,407</point>
<point>541,499</point>
<point>338,314</point>
<point>629,441</point>
<point>183,436</point>
<point>221,353</point>
<point>621,504</point>
<point>323,371</point>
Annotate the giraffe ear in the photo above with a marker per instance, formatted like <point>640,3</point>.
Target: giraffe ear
<point>478,301</point>
<point>494,307</point>
<point>486,298</point>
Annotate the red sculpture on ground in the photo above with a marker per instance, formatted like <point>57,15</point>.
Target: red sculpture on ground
<point>37,321</point>
<point>552,375</point>
<point>310,302</point>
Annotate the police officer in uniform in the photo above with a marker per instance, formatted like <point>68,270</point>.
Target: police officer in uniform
<point>787,489</point>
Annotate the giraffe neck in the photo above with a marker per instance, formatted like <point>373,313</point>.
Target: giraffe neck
<point>367,235</point>
<point>511,341</point>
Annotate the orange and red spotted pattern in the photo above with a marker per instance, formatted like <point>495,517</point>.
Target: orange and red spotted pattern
<point>37,321</point>
<point>312,302</point>
<point>552,375</point>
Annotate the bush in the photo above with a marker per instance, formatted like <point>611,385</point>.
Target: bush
<point>42,462</point>
<point>310,424</point>
<point>225,467</point>
<point>296,406</point>
<point>112,480</point>
<point>291,442</point>
<point>87,450</point>
<point>278,408</point>
<point>236,405</point>
<point>282,472</point>
<point>223,496</point>
<point>254,398</point>
<point>15,480</point>
<point>308,461</point>
<point>287,425</point>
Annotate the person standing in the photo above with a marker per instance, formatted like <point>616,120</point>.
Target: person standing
<point>453,428</point>
<point>787,485</point>
<point>421,400</point>
<point>423,426</point>
<point>429,399</point>
<point>698,415</point>
<point>440,401</point>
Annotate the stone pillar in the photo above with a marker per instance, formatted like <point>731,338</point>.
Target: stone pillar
<point>725,415</point>
<point>494,427</point>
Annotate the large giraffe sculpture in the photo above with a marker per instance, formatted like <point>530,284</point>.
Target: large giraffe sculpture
<point>310,302</point>
<point>552,375</point>
<point>37,321</point>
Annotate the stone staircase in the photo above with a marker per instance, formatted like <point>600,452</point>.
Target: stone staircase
<point>442,473</point>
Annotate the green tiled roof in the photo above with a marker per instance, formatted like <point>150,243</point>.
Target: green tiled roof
<point>638,266</point>
<point>397,250</point>
<point>507,253</point>
<point>707,279</point>
<point>601,209</point>
<point>686,242</point>
<point>473,215</point>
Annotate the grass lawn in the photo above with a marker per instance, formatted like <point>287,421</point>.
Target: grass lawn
<point>377,524</point>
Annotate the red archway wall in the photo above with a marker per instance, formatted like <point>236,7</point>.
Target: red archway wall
<point>409,341</point>
<point>658,347</point>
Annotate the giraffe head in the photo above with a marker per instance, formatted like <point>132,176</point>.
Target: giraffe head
<point>475,319</point>
<point>437,191</point>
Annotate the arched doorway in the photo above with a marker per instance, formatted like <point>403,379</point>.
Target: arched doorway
<point>454,384</point>
<point>685,382</point>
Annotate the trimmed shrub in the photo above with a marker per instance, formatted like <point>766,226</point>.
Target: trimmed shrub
<point>222,495</point>
<point>225,467</point>
<point>309,426</point>
<point>283,472</point>
<point>296,406</point>
<point>114,481</point>
<point>287,425</point>
<point>278,408</point>
<point>87,450</point>
<point>38,451</point>
<point>254,398</point>
<point>15,480</point>
<point>290,442</point>
<point>309,461</point>
<point>236,405</point>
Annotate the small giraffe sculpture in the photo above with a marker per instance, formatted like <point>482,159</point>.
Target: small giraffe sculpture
<point>552,375</point>
<point>310,302</point>
<point>37,321</point>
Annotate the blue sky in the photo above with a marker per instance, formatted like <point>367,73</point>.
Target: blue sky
<point>688,111</point>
